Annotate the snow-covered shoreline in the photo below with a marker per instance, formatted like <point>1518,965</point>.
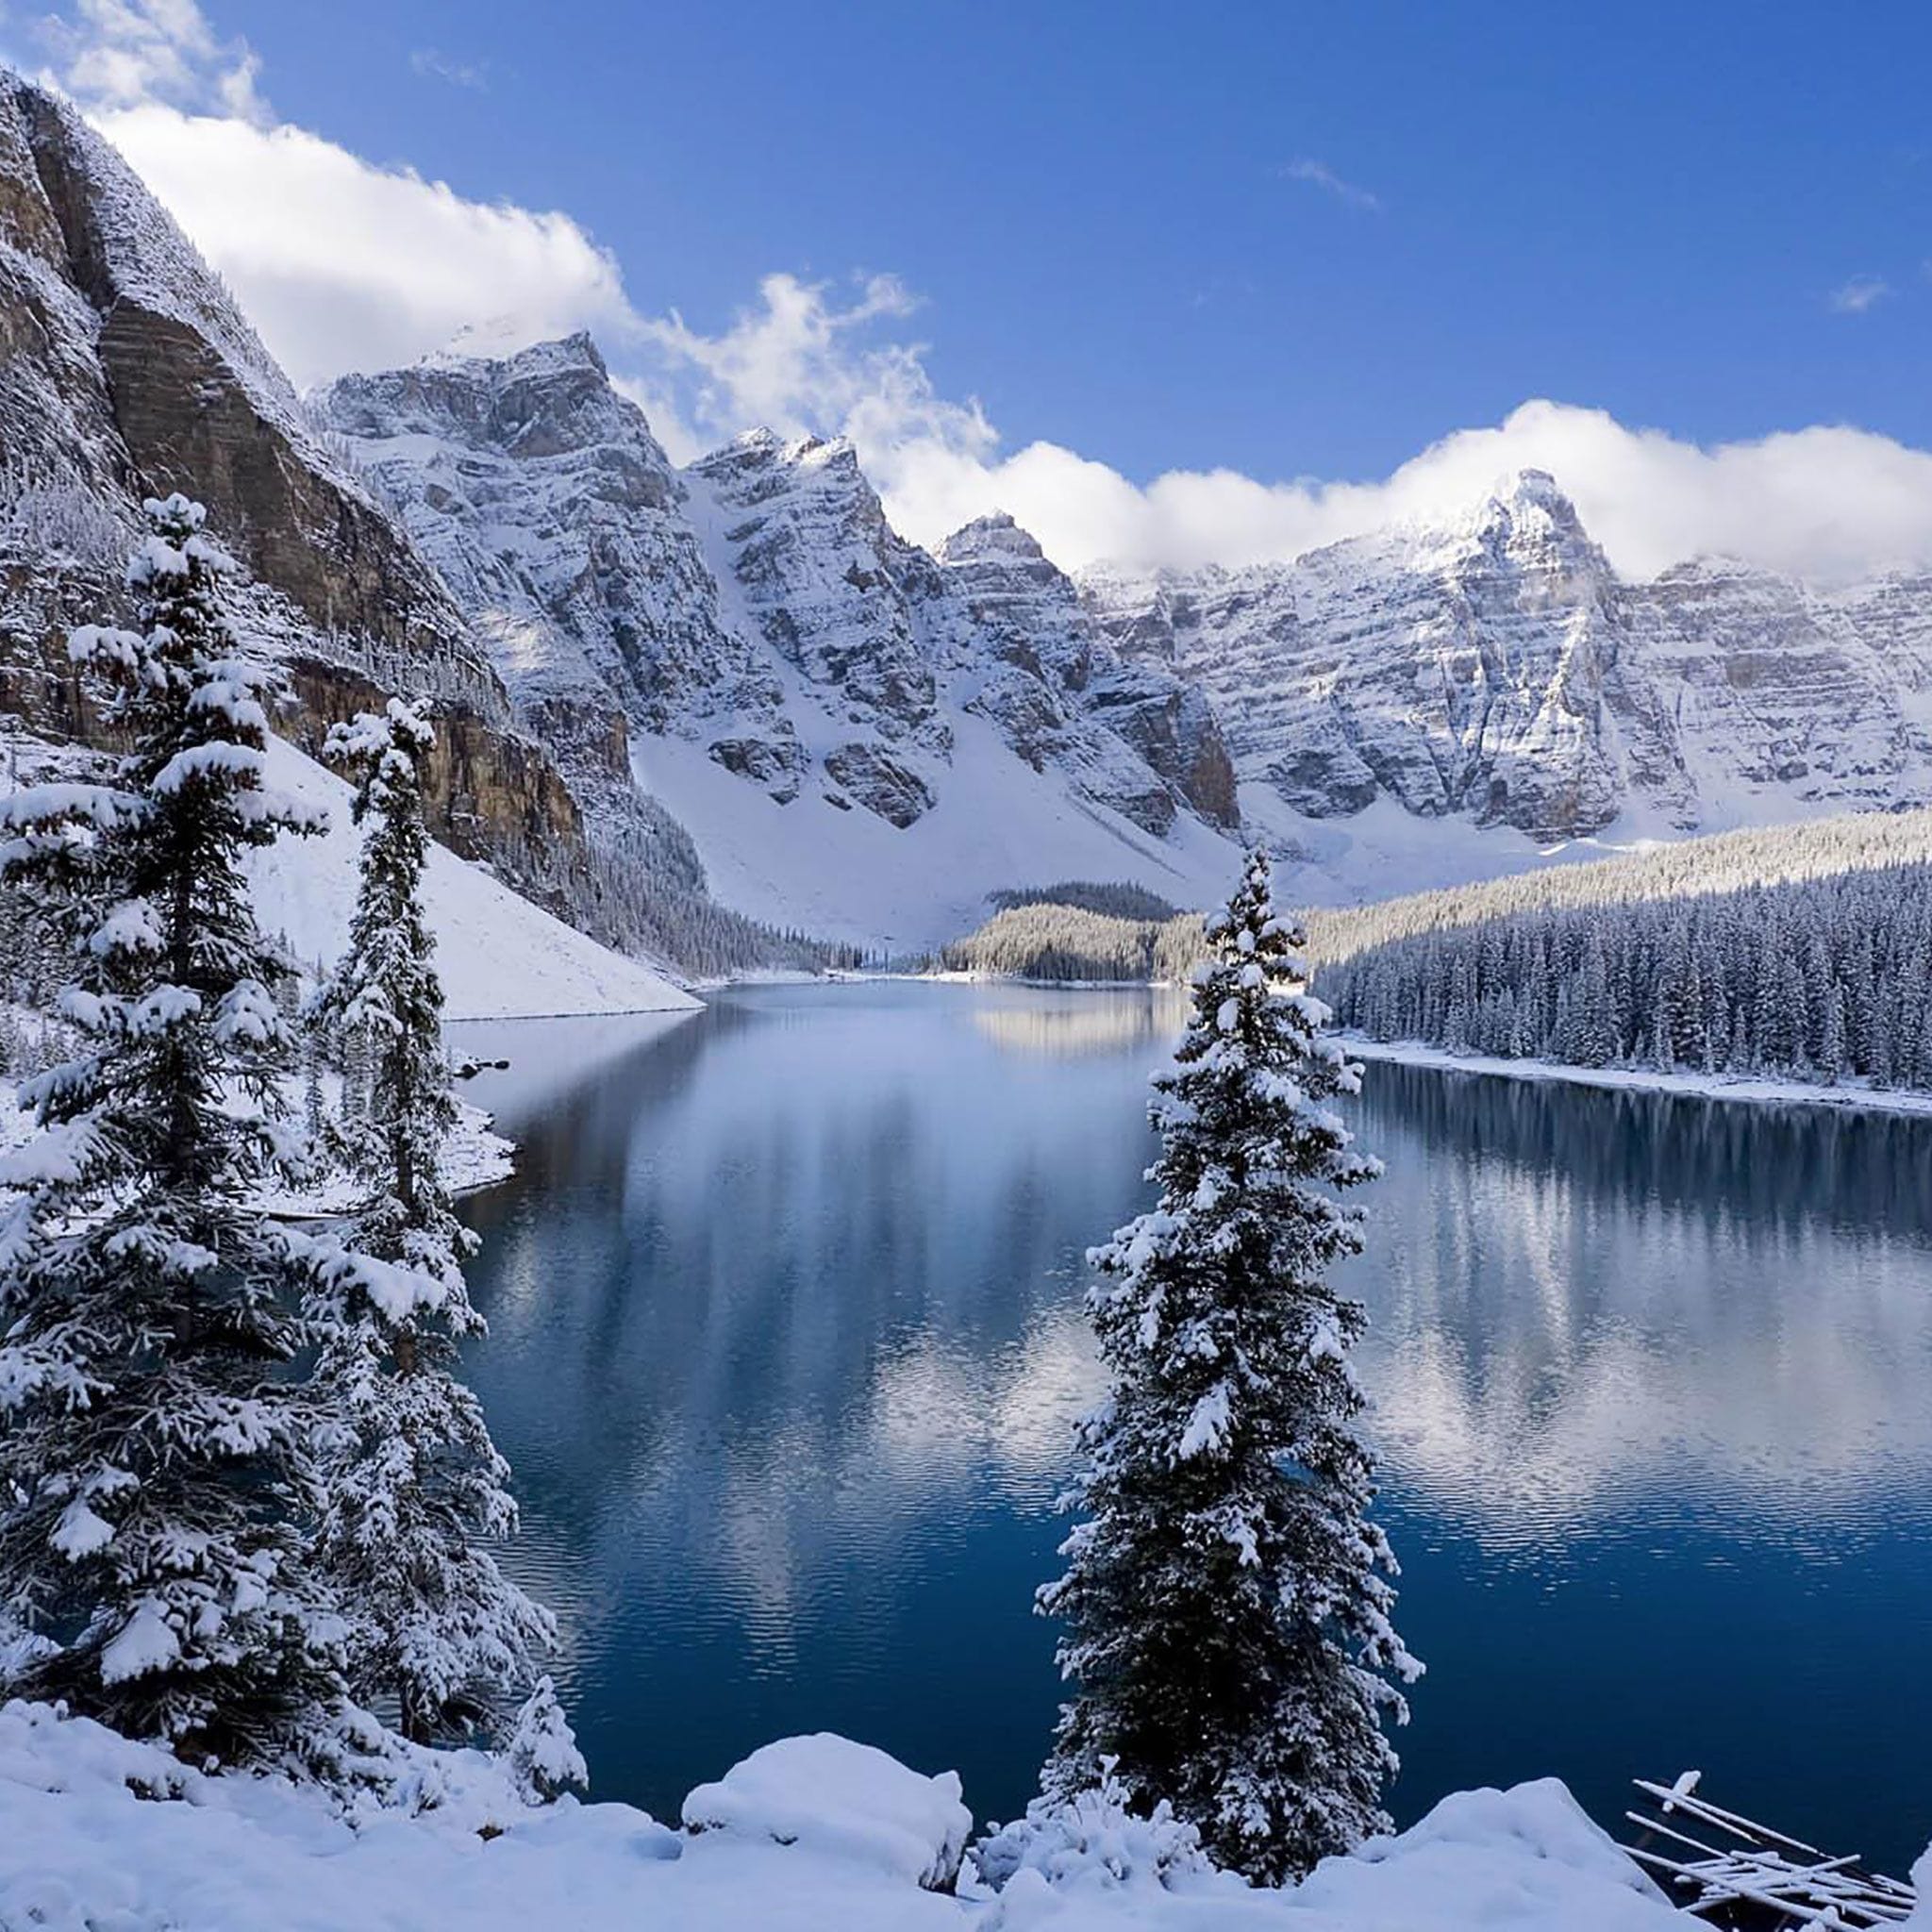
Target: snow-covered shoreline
<point>1760,1092</point>
<point>475,1156</point>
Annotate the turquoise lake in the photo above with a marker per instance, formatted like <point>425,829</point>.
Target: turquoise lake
<point>787,1347</point>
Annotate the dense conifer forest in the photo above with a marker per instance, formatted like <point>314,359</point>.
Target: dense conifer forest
<point>1821,978</point>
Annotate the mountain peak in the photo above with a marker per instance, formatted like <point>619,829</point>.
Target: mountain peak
<point>1527,512</point>
<point>1536,491</point>
<point>992,536</point>
<point>498,346</point>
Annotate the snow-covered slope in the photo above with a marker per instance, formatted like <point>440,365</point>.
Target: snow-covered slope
<point>839,1853</point>
<point>499,956</point>
<point>849,874</point>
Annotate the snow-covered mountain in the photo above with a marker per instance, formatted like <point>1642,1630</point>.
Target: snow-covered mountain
<point>861,737</point>
<point>737,677</point>
<point>1496,670</point>
<point>1420,704</point>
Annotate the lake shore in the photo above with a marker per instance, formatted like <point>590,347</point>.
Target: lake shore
<point>1755,1089</point>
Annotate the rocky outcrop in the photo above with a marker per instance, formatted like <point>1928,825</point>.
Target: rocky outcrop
<point>1065,694</point>
<point>833,590</point>
<point>878,782</point>
<point>127,370</point>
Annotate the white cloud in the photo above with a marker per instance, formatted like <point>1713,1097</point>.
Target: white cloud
<point>433,65</point>
<point>124,53</point>
<point>1858,294</point>
<point>1828,502</point>
<point>343,264</point>
<point>340,263</point>
<point>1318,175</point>
<point>801,363</point>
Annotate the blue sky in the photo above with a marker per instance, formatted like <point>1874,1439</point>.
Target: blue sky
<point>1285,242</point>
<point>1645,207</point>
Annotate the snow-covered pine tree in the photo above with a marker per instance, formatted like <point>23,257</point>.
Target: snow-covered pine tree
<point>154,1455</point>
<point>413,1481</point>
<point>542,1751</point>
<point>1226,1597</point>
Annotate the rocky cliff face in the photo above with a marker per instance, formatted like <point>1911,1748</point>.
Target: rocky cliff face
<point>557,523</point>
<point>1497,668</point>
<point>1062,693</point>
<point>125,370</point>
<point>760,604</point>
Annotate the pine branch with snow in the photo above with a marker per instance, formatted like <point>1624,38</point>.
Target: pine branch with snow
<point>413,1486</point>
<point>1227,1598</point>
<point>154,1453</point>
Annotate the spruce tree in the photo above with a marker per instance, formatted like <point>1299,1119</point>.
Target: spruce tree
<point>1227,1598</point>
<point>153,1450</point>
<point>413,1480</point>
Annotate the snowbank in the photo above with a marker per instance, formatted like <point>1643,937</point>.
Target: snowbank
<point>499,956</point>
<point>84,1844</point>
<point>850,1800</point>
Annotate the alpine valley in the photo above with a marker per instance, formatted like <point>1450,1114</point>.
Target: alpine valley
<point>701,712</point>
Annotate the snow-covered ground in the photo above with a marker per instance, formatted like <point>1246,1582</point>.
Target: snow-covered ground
<point>811,1835</point>
<point>1849,1093</point>
<point>499,956</point>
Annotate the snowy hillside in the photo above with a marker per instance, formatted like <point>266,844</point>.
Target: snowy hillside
<point>499,956</point>
<point>813,1835</point>
<point>1724,862</point>
<point>851,875</point>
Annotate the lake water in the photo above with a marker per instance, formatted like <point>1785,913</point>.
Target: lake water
<point>786,1349</point>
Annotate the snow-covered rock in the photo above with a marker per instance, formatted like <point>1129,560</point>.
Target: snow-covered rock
<point>851,1801</point>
